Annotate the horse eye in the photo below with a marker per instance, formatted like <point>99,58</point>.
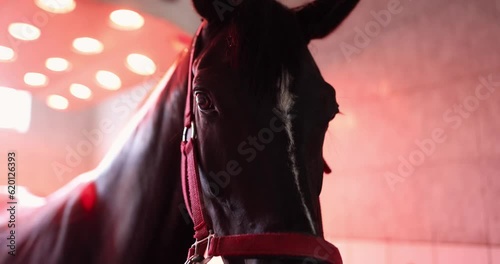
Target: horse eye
<point>203,101</point>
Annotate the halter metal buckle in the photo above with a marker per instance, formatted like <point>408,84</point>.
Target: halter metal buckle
<point>186,130</point>
<point>201,257</point>
<point>207,239</point>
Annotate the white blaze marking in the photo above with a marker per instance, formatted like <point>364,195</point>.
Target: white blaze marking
<point>286,101</point>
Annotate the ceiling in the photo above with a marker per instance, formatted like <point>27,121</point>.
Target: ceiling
<point>157,39</point>
<point>180,12</point>
<point>168,26</point>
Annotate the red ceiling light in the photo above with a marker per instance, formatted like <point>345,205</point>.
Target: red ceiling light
<point>6,54</point>
<point>24,31</point>
<point>71,48</point>
<point>57,102</point>
<point>56,6</point>
<point>140,64</point>
<point>88,46</point>
<point>80,91</point>
<point>57,64</point>
<point>108,80</point>
<point>124,19</point>
<point>36,79</point>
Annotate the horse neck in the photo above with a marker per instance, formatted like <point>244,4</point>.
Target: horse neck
<point>140,190</point>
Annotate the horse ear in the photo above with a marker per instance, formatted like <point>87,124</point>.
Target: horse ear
<point>215,10</point>
<point>204,8</point>
<point>321,17</point>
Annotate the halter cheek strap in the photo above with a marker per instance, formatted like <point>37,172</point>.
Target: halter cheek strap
<point>209,244</point>
<point>190,175</point>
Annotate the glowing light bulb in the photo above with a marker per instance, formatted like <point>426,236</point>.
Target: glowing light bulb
<point>36,79</point>
<point>6,54</point>
<point>57,64</point>
<point>56,6</point>
<point>87,45</point>
<point>57,102</point>
<point>108,80</point>
<point>24,31</point>
<point>126,20</point>
<point>80,91</point>
<point>141,64</point>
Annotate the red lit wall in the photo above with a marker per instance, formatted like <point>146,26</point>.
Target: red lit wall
<point>416,152</point>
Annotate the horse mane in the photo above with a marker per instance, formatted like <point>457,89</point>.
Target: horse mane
<point>148,178</point>
<point>128,210</point>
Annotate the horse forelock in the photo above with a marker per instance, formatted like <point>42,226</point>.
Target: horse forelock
<point>260,42</point>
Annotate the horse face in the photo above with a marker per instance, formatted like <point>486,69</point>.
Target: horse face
<point>260,124</point>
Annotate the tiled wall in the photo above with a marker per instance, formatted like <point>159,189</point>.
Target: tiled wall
<point>399,88</point>
<point>380,252</point>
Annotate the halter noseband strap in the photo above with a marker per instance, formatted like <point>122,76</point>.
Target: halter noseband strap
<point>209,244</point>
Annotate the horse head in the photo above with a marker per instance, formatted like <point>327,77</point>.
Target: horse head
<point>260,111</point>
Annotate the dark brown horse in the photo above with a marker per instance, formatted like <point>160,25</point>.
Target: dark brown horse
<point>261,113</point>
<point>261,110</point>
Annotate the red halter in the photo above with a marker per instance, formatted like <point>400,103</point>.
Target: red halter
<point>209,244</point>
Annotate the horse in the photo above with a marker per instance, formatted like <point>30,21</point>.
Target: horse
<point>250,109</point>
<point>254,131</point>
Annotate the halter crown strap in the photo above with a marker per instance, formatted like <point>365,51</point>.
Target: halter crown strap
<point>245,245</point>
